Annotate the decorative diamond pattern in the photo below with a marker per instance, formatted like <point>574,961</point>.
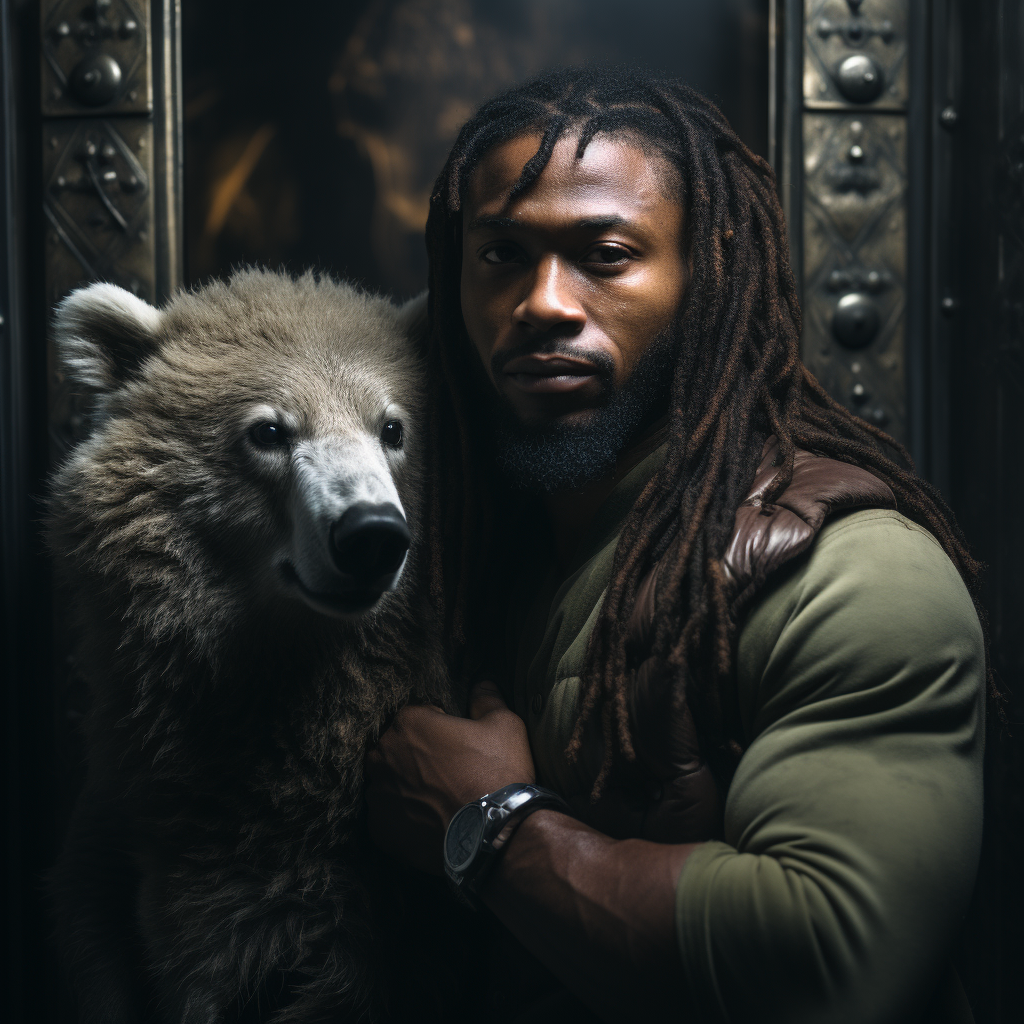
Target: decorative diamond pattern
<point>75,33</point>
<point>855,244</point>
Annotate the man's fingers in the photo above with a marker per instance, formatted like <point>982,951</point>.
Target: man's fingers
<point>484,698</point>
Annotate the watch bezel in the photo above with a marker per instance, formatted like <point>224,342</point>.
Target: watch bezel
<point>469,810</point>
<point>498,815</point>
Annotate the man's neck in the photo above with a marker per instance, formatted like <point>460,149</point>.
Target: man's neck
<point>572,512</point>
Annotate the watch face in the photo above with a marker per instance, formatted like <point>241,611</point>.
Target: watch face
<point>463,837</point>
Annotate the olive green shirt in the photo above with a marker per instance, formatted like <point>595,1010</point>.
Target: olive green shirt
<point>853,822</point>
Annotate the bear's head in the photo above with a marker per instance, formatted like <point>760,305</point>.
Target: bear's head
<point>254,443</point>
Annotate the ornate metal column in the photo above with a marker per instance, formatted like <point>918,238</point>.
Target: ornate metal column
<point>111,154</point>
<point>111,211</point>
<point>842,91</point>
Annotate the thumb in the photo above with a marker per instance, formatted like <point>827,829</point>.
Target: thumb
<point>484,698</point>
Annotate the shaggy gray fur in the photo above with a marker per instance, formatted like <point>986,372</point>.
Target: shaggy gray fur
<point>215,845</point>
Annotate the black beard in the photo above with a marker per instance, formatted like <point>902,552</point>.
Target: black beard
<point>565,456</point>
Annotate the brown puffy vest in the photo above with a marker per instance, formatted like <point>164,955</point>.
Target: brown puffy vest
<point>670,793</point>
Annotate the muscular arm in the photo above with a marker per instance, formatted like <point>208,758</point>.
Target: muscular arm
<point>598,912</point>
<point>852,825</point>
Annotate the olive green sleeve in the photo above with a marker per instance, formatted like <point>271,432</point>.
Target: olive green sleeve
<point>853,823</point>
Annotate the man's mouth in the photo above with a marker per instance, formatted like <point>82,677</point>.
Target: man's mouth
<point>550,374</point>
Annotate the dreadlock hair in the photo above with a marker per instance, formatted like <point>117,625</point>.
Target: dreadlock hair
<point>738,379</point>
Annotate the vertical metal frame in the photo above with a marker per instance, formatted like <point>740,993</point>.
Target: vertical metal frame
<point>924,391</point>
<point>942,308</point>
<point>14,508</point>
<point>168,134</point>
<point>785,108</point>
<point>843,151</point>
<point>111,180</point>
<point>106,204</point>
<point>112,156</point>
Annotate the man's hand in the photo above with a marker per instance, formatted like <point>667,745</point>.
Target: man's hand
<point>428,764</point>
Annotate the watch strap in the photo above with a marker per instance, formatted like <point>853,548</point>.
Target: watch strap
<point>503,811</point>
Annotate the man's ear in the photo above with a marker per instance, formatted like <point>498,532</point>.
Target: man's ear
<point>103,335</point>
<point>413,316</point>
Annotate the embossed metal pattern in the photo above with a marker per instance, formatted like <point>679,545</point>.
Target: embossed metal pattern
<point>851,123</point>
<point>96,58</point>
<point>98,209</point>
<point>856,53</point>
<point>99,205</point>
<point>855,261</point>
<point>109,158</point>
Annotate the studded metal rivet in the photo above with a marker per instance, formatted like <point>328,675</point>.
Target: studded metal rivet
<point>949,117</point>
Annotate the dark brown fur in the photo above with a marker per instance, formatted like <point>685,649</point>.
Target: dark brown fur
<point>216,846</point>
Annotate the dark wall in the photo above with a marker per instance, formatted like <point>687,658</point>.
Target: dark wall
<point>980,73</point>
<point>313,139</point>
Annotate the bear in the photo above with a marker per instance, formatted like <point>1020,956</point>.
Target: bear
<point>240,534</point>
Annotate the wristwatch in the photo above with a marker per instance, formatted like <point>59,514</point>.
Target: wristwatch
<point>482,828</point>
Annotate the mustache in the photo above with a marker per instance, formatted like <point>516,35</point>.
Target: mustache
<point>603,363</point>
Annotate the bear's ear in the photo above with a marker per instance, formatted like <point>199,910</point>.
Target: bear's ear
<point>413,316</point>
<point>103,335</point>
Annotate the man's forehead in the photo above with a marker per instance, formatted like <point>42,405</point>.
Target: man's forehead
<point>615,177</point>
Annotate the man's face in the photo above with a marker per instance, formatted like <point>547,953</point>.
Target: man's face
<point>567,286</point>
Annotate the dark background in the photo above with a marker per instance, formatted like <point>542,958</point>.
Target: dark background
<point>313,137</point>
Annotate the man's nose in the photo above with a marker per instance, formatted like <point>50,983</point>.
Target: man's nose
<point>552,302</point>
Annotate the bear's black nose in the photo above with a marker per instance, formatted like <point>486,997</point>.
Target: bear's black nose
<point>368,543</point>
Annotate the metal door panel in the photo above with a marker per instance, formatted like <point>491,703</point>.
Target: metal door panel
<point>111,157</point>
<point>854,261</point>
<point>842,90</point>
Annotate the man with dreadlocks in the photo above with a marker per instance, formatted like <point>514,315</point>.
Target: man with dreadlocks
<point>718,615</point>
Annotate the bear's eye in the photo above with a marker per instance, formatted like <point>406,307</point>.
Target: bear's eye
<point>269,435</point>
<point>391,435</point>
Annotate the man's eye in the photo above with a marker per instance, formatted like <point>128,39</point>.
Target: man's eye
<point>606,255</point>
<point>269,435</point>
<point>502,254</point>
